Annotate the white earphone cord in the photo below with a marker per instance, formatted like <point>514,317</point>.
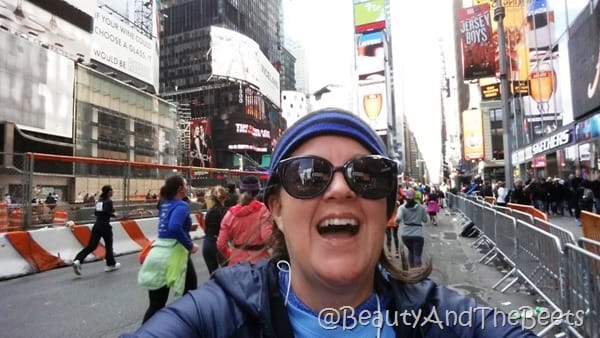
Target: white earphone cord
<point>289,284</point>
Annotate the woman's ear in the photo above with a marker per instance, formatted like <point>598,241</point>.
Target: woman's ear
<point>274,205</point>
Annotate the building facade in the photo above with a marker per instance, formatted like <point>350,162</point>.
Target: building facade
<point>220,61</point>
<point>80,87</point>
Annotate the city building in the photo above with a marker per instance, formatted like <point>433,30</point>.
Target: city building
<point>77,83</point>
<point>220,63</point>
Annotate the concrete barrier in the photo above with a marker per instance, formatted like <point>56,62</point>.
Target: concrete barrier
<point>12,263</point>
<point>27,252</point>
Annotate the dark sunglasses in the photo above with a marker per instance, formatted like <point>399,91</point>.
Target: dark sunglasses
<point>370,176</point>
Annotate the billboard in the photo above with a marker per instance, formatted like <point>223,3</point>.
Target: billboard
<point>201,144</point>
<point>47,29</point>
<point>369,15</point>
<point>370,62</point>
<point>584,59</point>
<point>478,46</point>
<point>373,105</point>
<point>543,106</point>
<point>238,57</point>
<point>120,46</point>
<point>515,37</point>
<point>36,87</point>
<point>472,122</point>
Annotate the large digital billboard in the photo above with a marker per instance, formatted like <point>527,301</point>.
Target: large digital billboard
<point>373,105</point>
<point>370,61</point>
<point>369,15</point>
<point>584,59</point>
<point>201,143</point>
<point>236,56</point>
<point>36,87</point>
<point>473,134</point>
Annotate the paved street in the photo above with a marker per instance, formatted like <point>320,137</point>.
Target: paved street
<point>56,304</point>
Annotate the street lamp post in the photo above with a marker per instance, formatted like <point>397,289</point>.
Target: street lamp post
<point>499,14</point>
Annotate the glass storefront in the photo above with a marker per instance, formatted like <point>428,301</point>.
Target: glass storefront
<point>106,108</point>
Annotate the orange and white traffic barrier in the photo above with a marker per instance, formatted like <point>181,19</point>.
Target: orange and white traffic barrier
<point>3,216</point>
<point>27,252</point>
<point>15,220</point>
<point>60,217</point>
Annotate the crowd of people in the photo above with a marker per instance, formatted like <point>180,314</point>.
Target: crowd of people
<point>552,195</point>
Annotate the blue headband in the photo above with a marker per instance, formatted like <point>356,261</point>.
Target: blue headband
<point>329,121</point>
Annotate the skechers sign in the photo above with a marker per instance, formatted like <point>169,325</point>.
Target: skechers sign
<point>554,141</point>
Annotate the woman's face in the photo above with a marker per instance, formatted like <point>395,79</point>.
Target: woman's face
<point>331,259</point>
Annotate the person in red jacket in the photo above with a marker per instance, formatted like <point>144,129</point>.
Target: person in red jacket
<point>247,225</point>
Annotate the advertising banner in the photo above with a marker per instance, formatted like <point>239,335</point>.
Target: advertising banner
<point>478,46</point>
<point>372,105</point>
<point>584,59</point>
<point>46,29</point>
<point>515,37</point>
<point>36,87</point>
<point>473,134</point>
<point>369,15</point>
<point>236,56</point>
<point>543,107</point>
<point>120,46</point>
<point>201,144</point>
<point>370,61</point>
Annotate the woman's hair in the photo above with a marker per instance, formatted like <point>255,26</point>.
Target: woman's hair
<point>401,273</point>
<point>105,190</point>
<point>217,195</point>
<point>249,188</point>
<point>247,196</point>
<point>172,185</point>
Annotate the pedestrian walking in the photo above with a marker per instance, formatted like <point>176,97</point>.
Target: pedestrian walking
<point>216,198</point>
<point>247,226</point>
<point>331,190</point>
<point>168,264</point>
<point>391,234</point>
<point>412,215</point>
<point>433,206</point>
<point>101,230</point>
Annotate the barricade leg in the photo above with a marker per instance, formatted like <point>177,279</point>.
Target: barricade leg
<point>508,274</point>
<point>492,252</point>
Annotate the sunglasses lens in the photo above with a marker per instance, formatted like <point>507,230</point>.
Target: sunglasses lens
<point>371,177</point>
<point>306,177</point>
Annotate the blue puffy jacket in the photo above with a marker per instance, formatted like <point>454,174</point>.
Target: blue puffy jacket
<point>244,301</point>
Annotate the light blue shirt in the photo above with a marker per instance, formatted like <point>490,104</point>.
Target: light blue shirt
<point>360,322</point>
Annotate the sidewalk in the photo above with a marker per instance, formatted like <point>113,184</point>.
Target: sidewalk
<point>455,265</point>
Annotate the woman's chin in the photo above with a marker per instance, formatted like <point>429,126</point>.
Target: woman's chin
<point>340,271</point>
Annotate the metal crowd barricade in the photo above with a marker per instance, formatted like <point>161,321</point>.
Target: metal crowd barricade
<point>538,264</point>
<point>489,233</point>
<point>450,198</point>
<point>523,216</point>
<point>504,210</point>
<point>589,245</point>
<point>564,235</point>
<point>506,244</point>
<point>582,291</point>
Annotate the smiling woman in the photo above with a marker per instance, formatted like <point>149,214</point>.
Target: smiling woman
<point>331,192</point>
